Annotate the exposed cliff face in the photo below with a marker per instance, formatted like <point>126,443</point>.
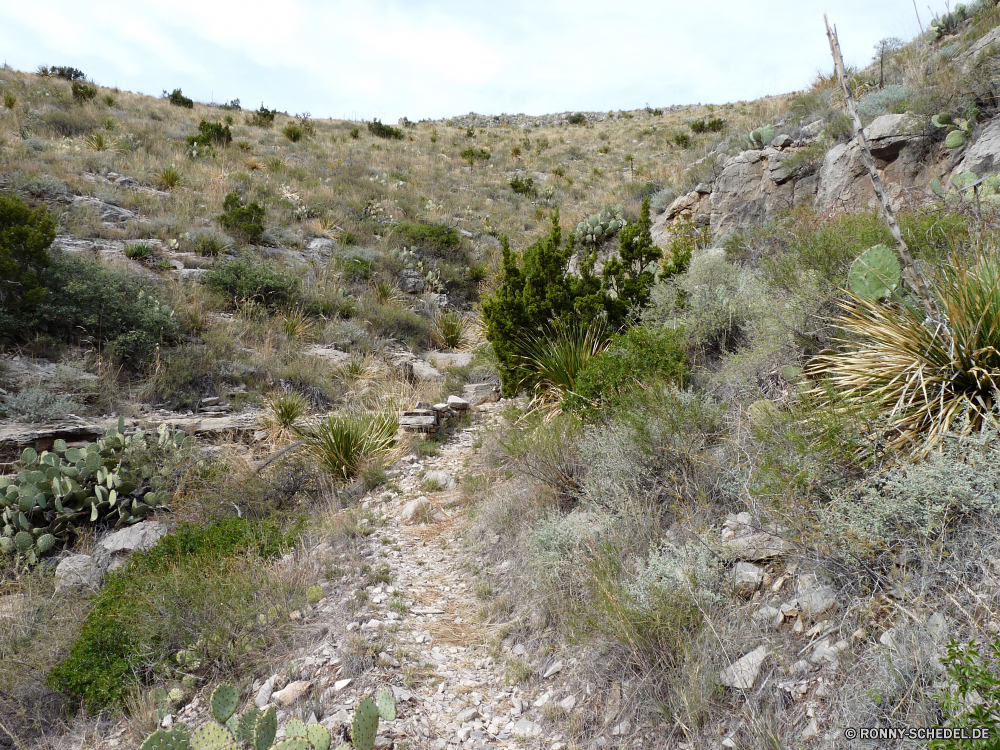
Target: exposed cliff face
<point>755,186</point>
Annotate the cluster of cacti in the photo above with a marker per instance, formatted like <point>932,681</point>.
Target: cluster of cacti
<point>760,137</point>
<point>874,274</point>
<point>601,226</point>
<point>965,186</point>
<point>949,22</point>
<point>116,479</point>
<point>256,728</point>
<point>959,129</point>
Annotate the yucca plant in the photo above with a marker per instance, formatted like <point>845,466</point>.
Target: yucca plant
<point>925,383</point>
<point>9,100</point>
<point>100,140</point>
<point>297,325</point>
<point>555,359</point>
<point>450,329</point>
<point>168,178</point>
<point>385,291</point>
<point>284,415</point>
<point>344,444</point>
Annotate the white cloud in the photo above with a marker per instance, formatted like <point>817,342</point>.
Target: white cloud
<point>386,58</point>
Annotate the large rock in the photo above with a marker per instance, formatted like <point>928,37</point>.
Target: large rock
<point>424,371</point>
<point>746,193</point>
<point>480,393</point>
<point>441,478</point>
<point>747,578</point>
<point>140,537</point>
<point>742,674</point>
<point>108,212</point>
<point>983,156</point>
<point>447,360</point>
<point>416,511</point>
<point>411,282</point>
<point>78,573</point>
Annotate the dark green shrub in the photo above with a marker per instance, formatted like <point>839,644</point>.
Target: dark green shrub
<point>474,154</point>
<point>524,186</point>
<point>211,133</point>
<point>437,239</point>
<point>200,590</point>
<point>178,99</point>
<point>355,133</point>
<point>244,280</point>
<point>628,277</point>
<point>83,92</point>
<point>974,701</point>
<point>262,118</point>
<point>376,128</point>
<point>293,132</point>
<point>83,300</point>
<point>712,125</point>
<point>245,221</point>
<point>63,71</point>
<point>682,139</point>
<point>577,119</point>
<point>25,236</point>
<point>637,359</point>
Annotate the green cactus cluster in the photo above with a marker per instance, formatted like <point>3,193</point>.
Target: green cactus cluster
<point>119,479</point>
<point>256,729</point>
<point>964,186</point>
<point>959,129</point>
<point>949,22</point>
<point>875,274</point>
<point>759,138</point>
<point>601,226</point>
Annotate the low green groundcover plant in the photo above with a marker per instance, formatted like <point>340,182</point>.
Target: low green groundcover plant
<point>199,604</point>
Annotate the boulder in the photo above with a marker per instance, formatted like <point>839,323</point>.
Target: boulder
<point>78,573</point>
<point>747,578</point>
<point>756,547</point>
<point>480,393</point>
<point>424,371</point>
<point>983,156</point>
<point>416,511</point>
<point>447,360</point>
<point>108,212</point>
<point>411,282</point>
<point>445,480</point>
<point>745,193</point>
<point>458,404</point>
<point>139,537</point>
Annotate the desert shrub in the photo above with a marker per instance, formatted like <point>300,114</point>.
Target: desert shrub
<point>972,698</point>
<point>177,98</point>
<point>37,405</point>
<point>710,125</point>
<point>394,321</point>
<point>191,372</point>
<point>83,92</point>
<point>25,236</point>
<point>839,128</point>
<point>85,301</point>
<point>638,359</point>
<point>69,124</point>
<point>209,243</point>
<point>201,602</point>
<point>577,119</point>
<point>244,280</point>
<point>41,185</point>
<point>438,239</point>
<point>662,199</point>
<point>376,128</point>
<point>682,139</point>
<point>211,133</point>
<point>66,72</point>
<point>262,118</point>
<point>293,132</point>
<point>524,186</point>
<point>246,221</point>
<point>548,451</point>
<point>344,444</point>
<point>474,154</point>
<point>889,100</point>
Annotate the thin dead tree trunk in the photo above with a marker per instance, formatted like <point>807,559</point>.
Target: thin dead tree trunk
<point>916,279</point>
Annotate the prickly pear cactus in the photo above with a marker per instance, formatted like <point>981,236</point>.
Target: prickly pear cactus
<point>264,729</point>
<point>955,139</point>
<point>365,725</point>
<point>875,274</point>
<point>293,743</point>
<point>246,724</point>
<point>318,736</point>
<point>386,704</point>
<point>295,728</point>
<point>225,699</point>
<point>314,594</point>
<point>211,736</point>
<point>942,120</point>
<point>168,739</point>
<point>601,226</point>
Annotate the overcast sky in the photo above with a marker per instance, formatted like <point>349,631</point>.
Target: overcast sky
<point>433,59</point>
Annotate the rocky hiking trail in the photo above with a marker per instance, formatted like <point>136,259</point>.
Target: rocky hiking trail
<point>435,652</point>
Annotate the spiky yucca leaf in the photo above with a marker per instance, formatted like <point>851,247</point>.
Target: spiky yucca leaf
<point>450,329</point>
<point>344,443</point>
<point>297,325</point>
<point>285,412</point>
<point>925,384</point>
<point>554,360</point>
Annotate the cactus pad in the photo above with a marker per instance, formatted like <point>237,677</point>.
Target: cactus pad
<point>365,725</point>
<point>386,704</point>
<point>314,594</point>
<point>874,274</point>
<point>173,739</point>
<point>225,699</point>
<point>211,736</point>
<point>955,139</point>
<point>245,726</point>
<point>942,120</point>
<point>295,728</point>
<point>318,736</point>
<point>293,743</point>
<point>264,729</point>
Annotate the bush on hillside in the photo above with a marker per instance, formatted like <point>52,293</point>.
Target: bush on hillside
<point>25,236</point>
<point>474,154</point>
<point>246,221</point>
<point>211,134</point>
<point>68,124</point>
<point>66,72</point>
<point>711,125</point>
<point>437,239</point>
<point>376,128</point>
<point>177,98</point>
<point>262,118</point>
<point>83,92</point>
<point>244,280</point>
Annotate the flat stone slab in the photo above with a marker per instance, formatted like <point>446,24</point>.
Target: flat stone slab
<point>742,674</point>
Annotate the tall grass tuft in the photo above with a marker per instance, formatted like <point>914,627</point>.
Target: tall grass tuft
<point>555,360</point>
<point>345,444</point>
<point>450,330</point>
<point>926,385</point>
<point>284,415</point>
